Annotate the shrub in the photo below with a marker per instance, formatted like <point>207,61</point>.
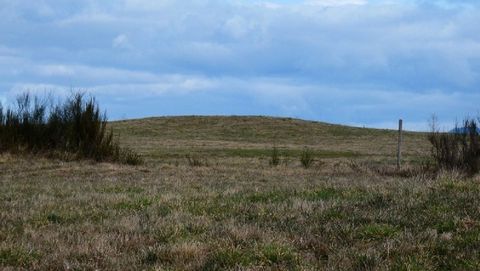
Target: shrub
<point>74,126</point>
<point>195,161</point>
<point>307,157</point>
<point>458,149</point>
<point>275,156</point>
<point>128,156</point>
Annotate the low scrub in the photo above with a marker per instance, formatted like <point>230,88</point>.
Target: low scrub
<point>73,127</point>
<point>196,161</point>
<point>275,156</point>
<point>307,157</point>
<point>458,149</point>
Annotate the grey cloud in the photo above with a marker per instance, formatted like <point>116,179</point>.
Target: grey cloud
<point>310,58</point>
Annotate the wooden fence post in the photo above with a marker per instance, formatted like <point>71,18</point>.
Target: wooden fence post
<point>400,139</point>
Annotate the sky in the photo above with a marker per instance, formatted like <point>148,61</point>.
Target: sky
<point>354,62</point>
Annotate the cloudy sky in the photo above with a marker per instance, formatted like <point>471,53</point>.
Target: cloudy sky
<point>356,62</point>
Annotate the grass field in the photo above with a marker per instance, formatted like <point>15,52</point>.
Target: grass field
<point>350,211</point>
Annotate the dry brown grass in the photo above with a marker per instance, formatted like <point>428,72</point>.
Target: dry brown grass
<point>238,213</point>
<point>172,135</point>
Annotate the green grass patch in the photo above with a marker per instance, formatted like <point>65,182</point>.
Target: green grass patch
<point>364,263</point>
<point>269,197</point>
<point>150,257</point>
<point>164,209</point>
<point>333,214</point>
<point>224,259</point>
<point>447,225</point>
<point>274,254</point>
<point>377,231</point>
<point>174,233</point>
<point>55,218</point>
<point>179,153</point>
<point>240,204</point>
<point>217,207</point>
<point>408,263</point>
<point>287,153</point>
<point>325,193</point>
<point>17,257</point>
<point>121,189</point>
<point>468,240</point>
<point>136,204</point>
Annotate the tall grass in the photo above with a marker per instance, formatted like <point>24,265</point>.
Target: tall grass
<point>75,127</point>
<point>195,161</point>
<point>459,149</point>
<point>306,157</point>
<point>275,156</point>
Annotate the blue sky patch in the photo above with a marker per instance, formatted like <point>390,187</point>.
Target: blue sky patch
<point>355,62</point>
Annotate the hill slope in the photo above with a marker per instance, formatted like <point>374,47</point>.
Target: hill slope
<point>252,135</point>
<point>238,212</point>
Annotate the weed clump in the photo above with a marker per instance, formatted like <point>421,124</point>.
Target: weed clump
<point>307,157</point>
<point>275,156</point>
<point>195,161</point>
<point>458,149</point>
<point>74,127</point>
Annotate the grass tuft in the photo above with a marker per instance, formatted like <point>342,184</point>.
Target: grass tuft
<point>306,157</point>
<point>196,161</point>
<point>17,257</point>
<point>275,156</point>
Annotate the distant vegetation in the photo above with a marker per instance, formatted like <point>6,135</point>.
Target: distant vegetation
<point>458,149</point>
<point>307,157</point>
<point>74,128</point>
<point>275,156</point>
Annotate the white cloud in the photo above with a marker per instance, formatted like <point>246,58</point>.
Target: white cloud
<point>164,85</point>
<point>238,26</point>
<point>347,59</point>
<point>55,70</point>
<point>333,3</point>
<point>121,41</point>
<point>40,90</point>
<point>363,107</point>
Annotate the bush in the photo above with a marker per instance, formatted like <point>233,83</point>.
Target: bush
<point>75,126</point>
<point>307,157</point>
<point>275,157</point>
<point>458,149</point>
<point>195,161</point>
<point>128,156</point>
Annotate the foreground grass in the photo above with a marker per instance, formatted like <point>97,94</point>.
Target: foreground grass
<point>237,215</point>
<point>236,212</point>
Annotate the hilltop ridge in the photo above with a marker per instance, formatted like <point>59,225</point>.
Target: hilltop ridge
<point>259,132</point>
